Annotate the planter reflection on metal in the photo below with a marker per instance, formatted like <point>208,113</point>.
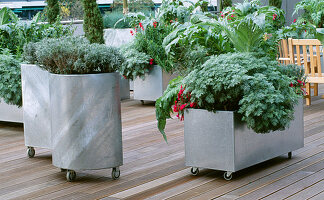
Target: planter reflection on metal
<point>221,141</point>
<point>153,85</point>
<point>36,102</point>
<point>86,122</point>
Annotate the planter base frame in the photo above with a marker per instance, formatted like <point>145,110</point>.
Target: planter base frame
<point>220,141</point>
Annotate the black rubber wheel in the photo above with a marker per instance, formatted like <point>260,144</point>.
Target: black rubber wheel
<point>142,101</point>
<point>31,152</point>
<point>70,175</point>
<point>115,173</point>
<point>194,171</point>
<point>289,155</point>
<point>228,176</point>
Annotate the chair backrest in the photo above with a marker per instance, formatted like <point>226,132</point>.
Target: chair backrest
<point>307,53</point>
<point>283,52</point>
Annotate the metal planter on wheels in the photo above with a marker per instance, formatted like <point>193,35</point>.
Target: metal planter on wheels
<point>36,108</point>
<point>153,85</point>
<point>221,141</point>
<point>86,122</point>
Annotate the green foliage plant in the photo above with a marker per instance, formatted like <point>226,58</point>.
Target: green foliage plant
<point>93,22</point>
<point>309,25</point>
<point>163,104</point>
<point>171,10</point>
<point>313,12</point>
<point>10,83</point>
<point>257,88</point>
<point>52,10</point>
<point>242,27</point>
<point>136,64</point>
<point>15,35</point>
<point>73,55</point>
<point>298,30</point>
<point>194,40</point>
<point>149,32</point>
<point>7,16</point>
<point>148,39</point>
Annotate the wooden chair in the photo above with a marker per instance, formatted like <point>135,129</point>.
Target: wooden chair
<point>283,52</point>
<point>310,59</point>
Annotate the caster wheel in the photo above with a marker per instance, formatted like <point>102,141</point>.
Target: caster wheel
<point>115,173</point>
<point>290,155</point>
<point>142,101</point>
<point>31,152</point>
<point>63,170</point>
<point>228,176</point>
<point>70,175</point>
<point>194,171</point>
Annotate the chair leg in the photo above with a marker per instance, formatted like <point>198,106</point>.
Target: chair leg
<point>308,95</point>
<point>315,89</point>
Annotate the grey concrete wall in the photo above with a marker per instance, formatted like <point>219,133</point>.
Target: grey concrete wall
<point>287,5</point>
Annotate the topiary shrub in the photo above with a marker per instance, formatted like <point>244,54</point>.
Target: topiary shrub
<point>93,23</point>
<point>73,55</point>
<point>52,10</point>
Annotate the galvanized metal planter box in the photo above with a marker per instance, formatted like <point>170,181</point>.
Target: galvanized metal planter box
<point>221,141</point>
<point>10,113</point>
<point>124,88</point>
<point>86,122</point>
<point>36,102</point>
<point>153,85</point>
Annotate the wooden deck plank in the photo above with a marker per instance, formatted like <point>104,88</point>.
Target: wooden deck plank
<point>309,191</point>
<point>284,181</point>
<point>298,186</point>
<point>318,196</point>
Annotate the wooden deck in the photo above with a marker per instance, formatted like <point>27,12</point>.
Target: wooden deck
<point>154,170</point>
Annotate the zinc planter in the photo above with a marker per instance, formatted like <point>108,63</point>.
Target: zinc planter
<point>86,122</point>
<point>220,141</point>
<point>153,85</point>
<point>10,113</point>
<point>36,107</point>
<point>124,88</point>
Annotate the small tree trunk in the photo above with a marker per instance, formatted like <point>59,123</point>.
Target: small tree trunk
<point>225,3</point>
<point>275,3</point>
<point>125,7</point>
